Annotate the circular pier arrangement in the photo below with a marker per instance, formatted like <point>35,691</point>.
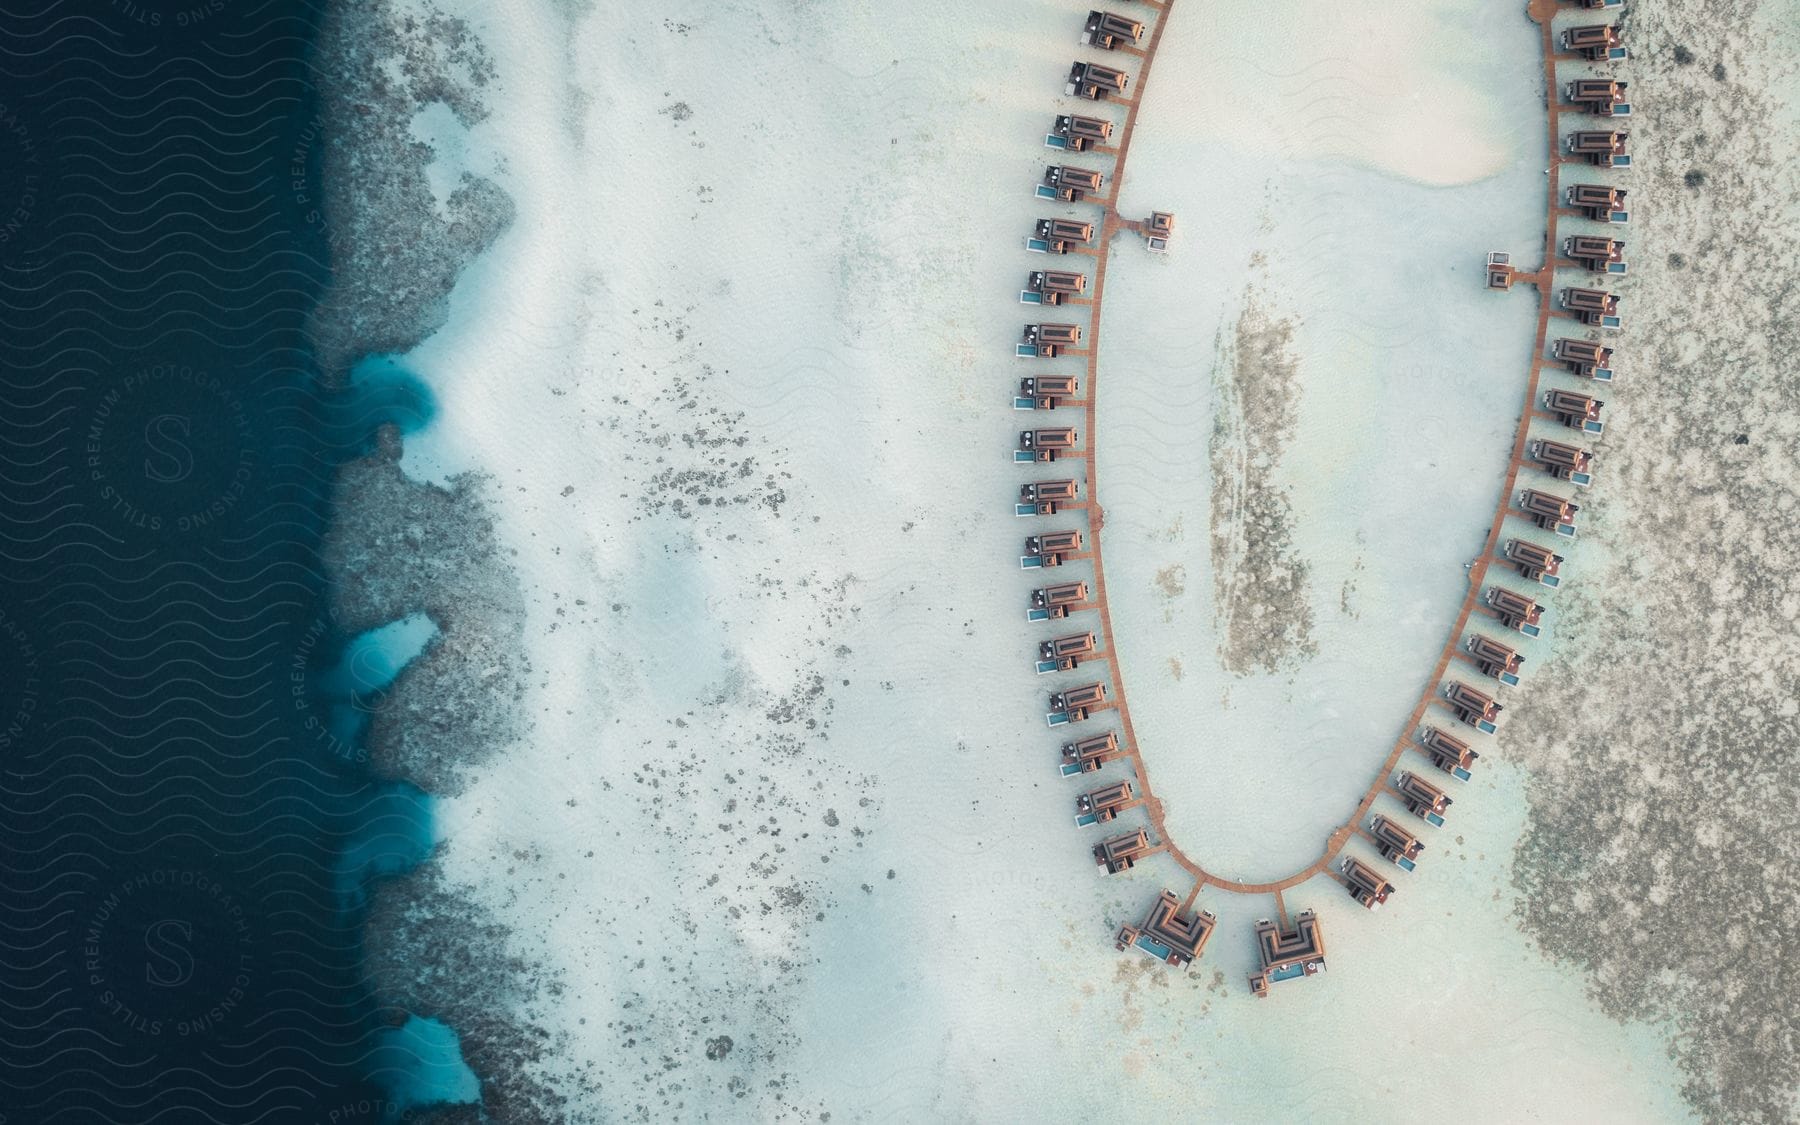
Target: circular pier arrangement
<point>1500,612</point>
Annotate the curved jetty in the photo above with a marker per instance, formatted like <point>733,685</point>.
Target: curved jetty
<point>1497,603</point>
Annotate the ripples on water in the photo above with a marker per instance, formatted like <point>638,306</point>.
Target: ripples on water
<point>186,826</point>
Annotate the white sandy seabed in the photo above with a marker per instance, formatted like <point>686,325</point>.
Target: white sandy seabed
<point>813,215</point>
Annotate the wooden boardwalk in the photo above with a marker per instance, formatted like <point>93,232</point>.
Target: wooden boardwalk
<point>1112,224</point>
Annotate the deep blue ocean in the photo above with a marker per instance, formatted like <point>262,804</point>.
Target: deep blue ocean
<point>179,928</point>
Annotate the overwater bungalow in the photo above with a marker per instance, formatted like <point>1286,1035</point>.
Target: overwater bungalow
<point>1493,658</point>
<point>1602,96</point>
<point>1078,702</point>
<point>1088,754</point>
<point>1534,561</point>
<point>1104,803</point>
<point>1060,236</point>
<point>1366,885</point>
<point>1078,134</point>
<point>1296,951</point>
<point>1051,340</point>
<point>1595,252</point>
<point>1448,752</point>
<point>1476,708</point>
<point>1067,651</point>
<point>1052,287</point>
<point>1598,202</point>
<point>1594,307</point>
<point>1596,42</point>
<point>1602,147</point>
<point>1052,547</point>
<point>1046,444</point>
<point>1095,82</point>
<point>1046,392</point>
<point>1047,497</point>
<point>1423,799</point>
<point>1584,357</point>
<point>1550,512</point>
<point>1398,846</point>
<point>1515,610</point>
<point>1158,229</point>
<point>1121,853</point>
<point>1109,32</point>
<point>1168,936</point>
<point>1563,461</point>
<point>1059,599</point>
<point>1578,412</point>
<point>1069,184</point>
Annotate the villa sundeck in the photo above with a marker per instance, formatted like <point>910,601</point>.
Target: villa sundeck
<point>1595,307</point>
<point>1297,951</point>
<point>1398,846</point>
<point>1423,799</point>
<point>1095,82</point>
<point>1448,752</point>
<point>1045,444</point>
<point>1595,252</point>
<point>1602,96</point>
<point>1596,42</point>
<point>1535,561</point>
<point>1053,603</point>
<point>1109,31</point>
<point>1076,704</point>
<point>1586,358</point>
<point>1052,287</point>
<point>1059,236</point>
<point>1598,202</point>
<point>1088,754</point>
<point>1076,133</point>
<point>1046,392</point>
<point>1515,610</point>
<point>1502,662</point>
<point>1103,804</point>
<point>1365,883</point>
<point>1063,654</point>
<point>1121,853</point>
<point>1550,512</point>
<point>1476,708</point>
<point>1047,341</point>
<point>1052,548</point>
<point>1604,148</point>
<point>1168,936</point>
<point>1563,461</point>
<point>1578,412</point>
<point>1046,497</point>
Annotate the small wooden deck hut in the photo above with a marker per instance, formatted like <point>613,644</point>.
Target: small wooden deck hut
<point>1286,953</point>
<point>1159,230</point>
